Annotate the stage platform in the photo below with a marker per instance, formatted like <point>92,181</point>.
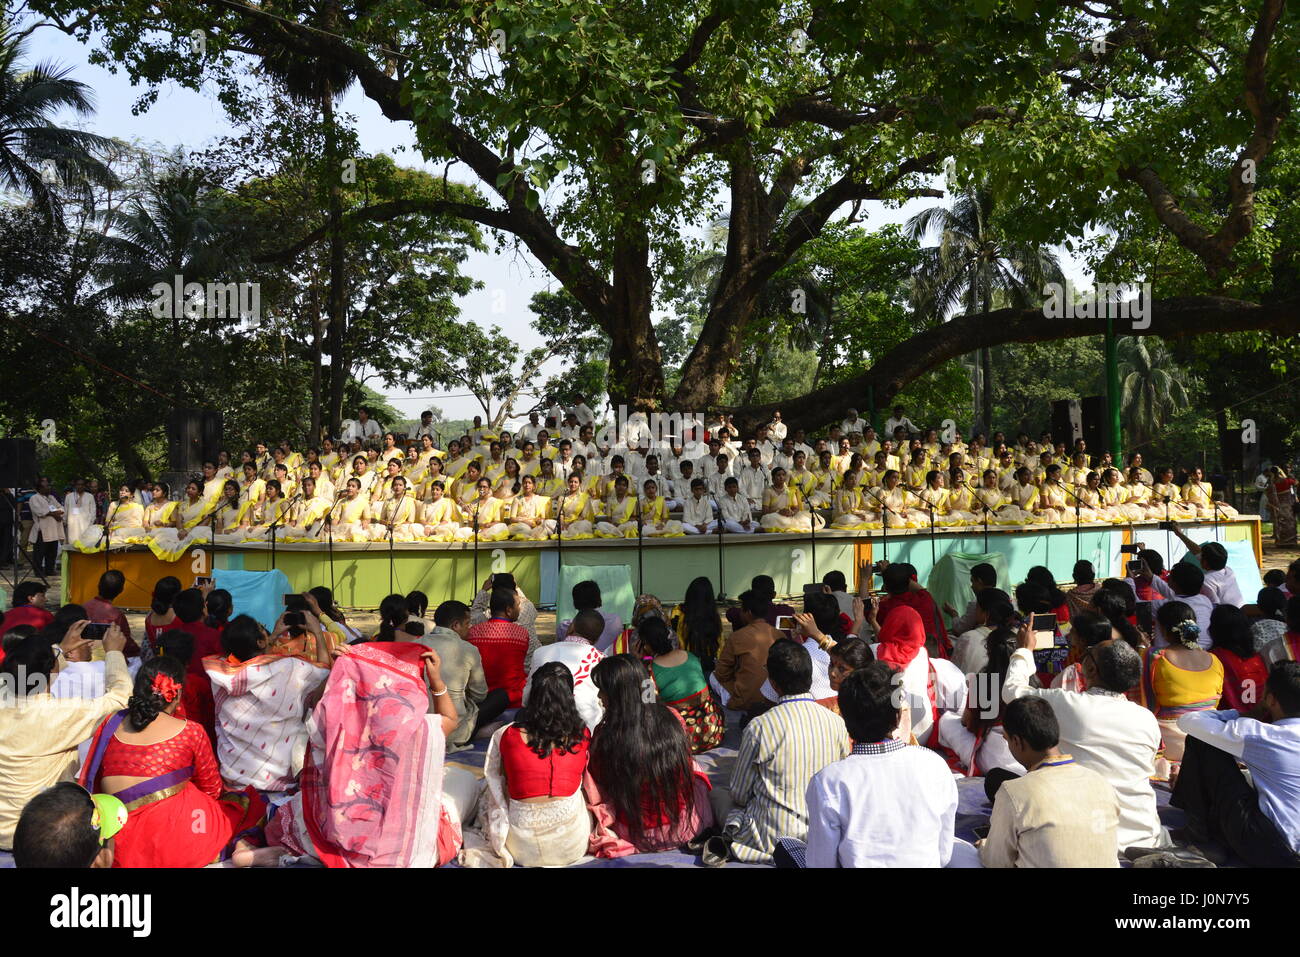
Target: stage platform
<point>362,574</point>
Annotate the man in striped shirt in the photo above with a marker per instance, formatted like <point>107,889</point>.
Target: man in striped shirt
<point>780,752</point>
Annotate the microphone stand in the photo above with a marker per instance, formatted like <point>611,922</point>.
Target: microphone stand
<point>929,505</point>
<point>812,535</point>
<point>884,522</point>
<point>1217,526</point>
<point>1078,519</point>
<point>721,592</point>
<point>329,538</point>
<point>391,517</point>
<point>640,554</point>
<point>477,505</point>
<point>103,535</point>
<point>559,540</point>
<point>275,525</point>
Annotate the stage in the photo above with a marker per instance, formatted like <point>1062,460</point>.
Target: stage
<point>362,574</point>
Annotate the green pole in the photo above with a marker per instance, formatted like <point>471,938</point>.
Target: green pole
<point>1112,392</point>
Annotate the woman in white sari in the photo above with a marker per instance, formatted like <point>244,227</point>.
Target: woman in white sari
<point>532,811</point>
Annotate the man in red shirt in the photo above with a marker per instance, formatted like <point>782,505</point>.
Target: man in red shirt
<point>502,644</point>
<point>101,607</point>
<point>28,608</point>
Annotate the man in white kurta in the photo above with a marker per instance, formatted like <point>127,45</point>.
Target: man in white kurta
<point>1103,730</point>
<point>78,510</point>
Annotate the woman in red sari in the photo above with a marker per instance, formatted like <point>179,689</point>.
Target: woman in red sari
<point>162,768</point>
<point>1244,671</point>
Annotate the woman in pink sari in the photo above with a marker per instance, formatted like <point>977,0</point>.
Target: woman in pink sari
<point>372,787</point>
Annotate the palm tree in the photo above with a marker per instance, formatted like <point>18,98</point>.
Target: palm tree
<point>1151,386</point>
<point>174,227</point>
<point>974,263</point>
<point>36,154</point>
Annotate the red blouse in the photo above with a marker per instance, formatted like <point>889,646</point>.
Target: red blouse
<point>559,774</point>
<point>502,645</point>
<point>189,748</point>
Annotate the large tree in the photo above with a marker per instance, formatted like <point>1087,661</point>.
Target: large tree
<point>600,131</point>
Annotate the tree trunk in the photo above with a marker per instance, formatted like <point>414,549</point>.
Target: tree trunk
<point>317,357</point>
<point>338,278</point>
<point>986,368</point>
<point>636,371</point>
<point>758,371</point>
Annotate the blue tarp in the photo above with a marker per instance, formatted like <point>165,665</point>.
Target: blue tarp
<point>260,594</point>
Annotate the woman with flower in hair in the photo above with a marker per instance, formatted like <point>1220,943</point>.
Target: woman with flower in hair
<point>1178,679</point>
<point>162,768</point>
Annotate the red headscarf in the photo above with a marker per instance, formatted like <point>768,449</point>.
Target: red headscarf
<point>902,635</point>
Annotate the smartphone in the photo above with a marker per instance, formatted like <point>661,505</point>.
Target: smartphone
<point>785,623</point>
<point>981,831</point>
<point>1130,549</point>
<point>288,597</point>
<point>96,630</point>
<point>1166,526</point>
<point>814,589</point>
<point>1144,616</point>
<point>203,581</point>
<point>1134,568</point>
<point>295,618</point>
<point>1044,628</point>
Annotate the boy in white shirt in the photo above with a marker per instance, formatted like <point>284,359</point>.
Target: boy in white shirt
<point>734,511</point>
<point>697,511</point>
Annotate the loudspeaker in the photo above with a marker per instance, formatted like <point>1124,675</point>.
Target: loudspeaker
<point>1080,419</point>
<point>185,440</point>
<point>212,432</point>
<point>18,463</point>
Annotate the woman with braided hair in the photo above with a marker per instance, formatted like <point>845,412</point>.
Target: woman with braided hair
<point>162,768</point>
<point>1177,680</point>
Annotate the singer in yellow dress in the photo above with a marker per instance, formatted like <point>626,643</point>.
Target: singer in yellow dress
<point>268,518</point>
<point>1137,493</point>
<point>352,514</point>
<point>849,511</point>
<point>530,513</point>
<point>1169,500</point>
<point>989,499</point>
<point>655,522</point>
<point>1023,499</point>
<point>898,505</point>
<point>396,516</point>
<point>575,514</point>
<point>307,515</point>
<point>486,513</point>
<point>1199,494</point>
<point>125,520</point>
<point>158,513</point>
<point>226,515</point>
<point>620,511</point>
<point>188,528</point>
<point>784,509</point>
<point>441,516</point>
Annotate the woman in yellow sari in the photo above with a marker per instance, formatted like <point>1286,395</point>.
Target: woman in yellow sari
<point>508,485</point>
<point>1114,498</point>
<point>806,483</point>
<point>352,514</point>
<point>530,513</point>
<point>575,514</point>
<point>1023,500</point>
<point>849,511</point>
<point>306,516</point>
<point>486,513</point>
<point>158,513</point>
<point>188,526</point>
<point>989,496</point>
<point>227,515</point>
<point>1166,496</point>
<point>1199,494</point>
<point>329,458</point>
<point>784,509</point>
<point>902,504</point>
<point>397,516</point>
<point>620,510</point>
<point>125,519</point>
<point>268,517</point>
<point>655,522</point>
<point>251,488</point>
<point>382,490</point>
<point>441,515</point>
<point>1138,497</point>
<point>465,489</point>
<point>548,483</point>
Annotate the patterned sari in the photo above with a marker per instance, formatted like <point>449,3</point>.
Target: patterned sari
<point>371,788</point>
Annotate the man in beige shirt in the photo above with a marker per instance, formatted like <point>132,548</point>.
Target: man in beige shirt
<point>39,733</point>
<point>1060,814</point>
<point>741,670</point>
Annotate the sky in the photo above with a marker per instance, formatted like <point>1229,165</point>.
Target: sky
<point>185,118</point>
